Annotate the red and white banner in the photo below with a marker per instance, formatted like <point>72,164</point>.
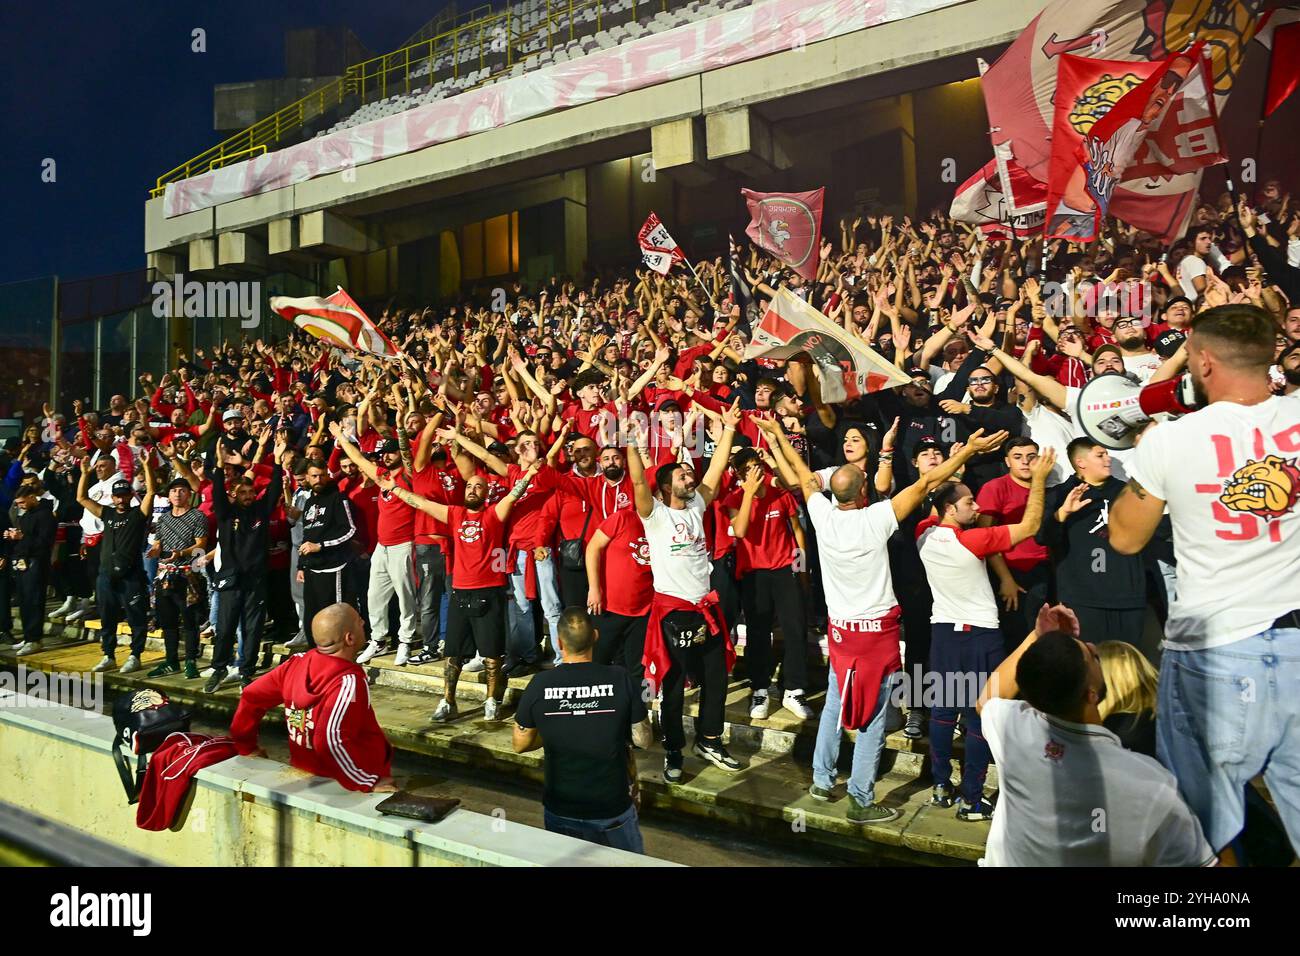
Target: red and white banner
<point>789,226</point>
<point>985,201</point>
<point>763,28</point>
<point>1019,88</point>
<point>847,366</point>
<point>659,250</point>
<point>1165,125</point>
<point>1280,32</point>
<point>336,319</point>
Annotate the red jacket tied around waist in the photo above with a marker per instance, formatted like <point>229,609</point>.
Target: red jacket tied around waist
<point>656,661</point>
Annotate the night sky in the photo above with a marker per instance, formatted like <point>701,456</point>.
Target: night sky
<point>113,93</point>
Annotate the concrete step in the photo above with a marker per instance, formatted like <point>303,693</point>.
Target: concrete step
<point>769,796</point>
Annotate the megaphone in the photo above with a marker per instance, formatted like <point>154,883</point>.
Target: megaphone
<point>1113,407</point>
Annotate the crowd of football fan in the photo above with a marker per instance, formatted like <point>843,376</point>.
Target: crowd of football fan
<point>464,496</point>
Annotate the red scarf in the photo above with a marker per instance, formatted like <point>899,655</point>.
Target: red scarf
<point>655,659</point>
<point>862,653</point>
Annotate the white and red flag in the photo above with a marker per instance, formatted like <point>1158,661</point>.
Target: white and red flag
<point>659,250</point>
<point>1280,32</point>
<point>789,226</point>
<point>987,202</point>
<point>336,319</point>
<point>846,365</point>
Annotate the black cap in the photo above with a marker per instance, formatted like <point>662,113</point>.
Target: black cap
<point>179,483</point>
<point>1169,341</point>
<point>122,487</point>
<point>389,447</point>
<point>925,444</point>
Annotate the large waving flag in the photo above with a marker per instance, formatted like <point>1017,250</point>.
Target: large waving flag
<point>848,366</point>
<point>789,226</point>
<point>1280,32</point>
<point>659,250</point>
<point>336,319</point>
<point>1019,88</point>
<point>990,202</point>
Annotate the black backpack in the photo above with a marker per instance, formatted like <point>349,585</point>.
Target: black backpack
<point>143,720</point>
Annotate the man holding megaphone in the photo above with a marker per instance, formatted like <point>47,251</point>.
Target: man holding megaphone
<point>1228,707</point>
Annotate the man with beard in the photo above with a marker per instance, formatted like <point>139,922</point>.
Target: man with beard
<point>984,410</point>
<point>1289,362</point>
<point>476,617</point>
<point>601,487</point>
<point>327,557</point>
<point>1227,474</point>
<point>1131,338</point>
<point>121,590</point>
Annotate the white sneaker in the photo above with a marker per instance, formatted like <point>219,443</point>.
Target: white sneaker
<point>232,676</point>
<point>403,655</point>
<point>474,666</point>
<point>206,672</point>
<point>793,701</point>
<point>80,613</point>
<point>490,708</point>
<point>372,649</point>
<point>26,648</point>
<point>63,608</point>
<point>758,706</point>
<point>132,664</point>
<point>106,663</point>
<point>445,712</point>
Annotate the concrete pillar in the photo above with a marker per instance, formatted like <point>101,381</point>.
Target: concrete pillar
<point>282,236</point>
<point>677,148</point>
<point>203,254</point>
<point>575,236</point>
<point>331,234</point>
<point>241,251</point>
<point>745,141</point>
<point>163,264</point>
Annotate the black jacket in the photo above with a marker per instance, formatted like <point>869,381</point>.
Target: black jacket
<point>328,520</point>
<point>37,543</point>
<point>242,532</point>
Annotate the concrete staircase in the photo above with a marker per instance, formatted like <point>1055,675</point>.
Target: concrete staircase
<point>768,797</point>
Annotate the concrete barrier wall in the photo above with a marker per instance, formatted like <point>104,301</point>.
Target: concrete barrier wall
<point>55,762</point>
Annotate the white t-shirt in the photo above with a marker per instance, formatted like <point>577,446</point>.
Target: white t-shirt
<point>1229,474</point>
<point>679,554</point>
<point>958,576</point>
<point>1143,366</point>
<point>1052,431</point>
<point>1191,267</point>
<point>1071,795</point>
<point>853,547</point>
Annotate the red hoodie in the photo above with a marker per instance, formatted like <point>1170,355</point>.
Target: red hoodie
<point>332,728</point>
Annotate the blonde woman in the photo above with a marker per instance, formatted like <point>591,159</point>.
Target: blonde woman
<point>1129,708</point>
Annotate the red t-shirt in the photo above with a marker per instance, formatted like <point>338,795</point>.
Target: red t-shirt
<point>768,542</point>
<point>365,498</point>
<point>443,485</point>
<point>396,518</point>
<point>625,579</point>
<point>477,558</point>
<point>1005,501</point>
<point>526,526</point>
<point>589,422</point>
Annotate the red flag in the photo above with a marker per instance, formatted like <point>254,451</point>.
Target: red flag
<point>1281,34</point>
<point>1164,125</point>
<point>1019,87</point>
<point>846,365</point>
<point>337,319</point>
<point>789,226</point>
<point>984,201</point>
<point>658,249</point>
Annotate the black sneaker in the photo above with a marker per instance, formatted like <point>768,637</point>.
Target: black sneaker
<point>715,753</point>
<point>672,766</point>
<point>425,657</point>
<point>218,675</point>
<point>915,727</point>
<point>165,669</point>
<point>981,811</point>
<point>244,682</point>
<point>520,669</point>
<point>943,795</point>
<point>819,793</point>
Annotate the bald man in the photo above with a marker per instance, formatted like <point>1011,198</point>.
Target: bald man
<point>332,728</point>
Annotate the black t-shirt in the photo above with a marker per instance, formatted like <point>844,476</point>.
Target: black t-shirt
<point>123,541</point>
<point>1088,570</point>
<point>585,714</point>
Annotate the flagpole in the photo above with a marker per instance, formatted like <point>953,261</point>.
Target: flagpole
<point>686,259</point>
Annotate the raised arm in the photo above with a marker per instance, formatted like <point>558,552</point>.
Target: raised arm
<point>641,493</point>
<point>708,486</point>
<point>364,464</point>
<point>93,507</point>
<point>911,497</point>
<point>498,466</point>
<point>507,504</point>
<point>418,502</point>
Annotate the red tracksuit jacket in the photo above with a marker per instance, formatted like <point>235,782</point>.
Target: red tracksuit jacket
<point>332,728</point>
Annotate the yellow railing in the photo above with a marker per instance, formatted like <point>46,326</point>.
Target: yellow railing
<point>495,38</point>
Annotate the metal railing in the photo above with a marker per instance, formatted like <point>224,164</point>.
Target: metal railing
<point>495,42</point>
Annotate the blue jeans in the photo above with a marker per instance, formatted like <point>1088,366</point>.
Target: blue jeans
<point>521,637</point>
<point>866,750</point>
<point>1225,714</point>
<point>621,832</point>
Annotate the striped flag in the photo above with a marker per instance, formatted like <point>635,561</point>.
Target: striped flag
<point>847,366</point>
<point>659,250</point>
<point>336,319</point>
